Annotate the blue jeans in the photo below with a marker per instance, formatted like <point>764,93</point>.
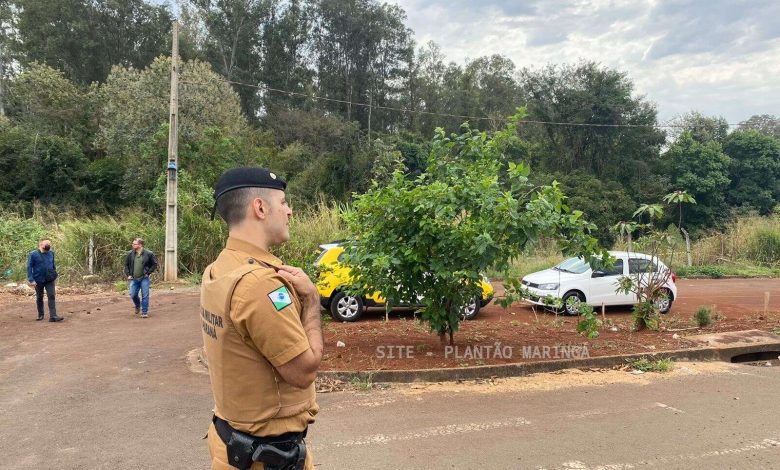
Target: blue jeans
<point>142,285</point>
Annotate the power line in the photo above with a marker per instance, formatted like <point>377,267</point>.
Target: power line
<point>430,113</point>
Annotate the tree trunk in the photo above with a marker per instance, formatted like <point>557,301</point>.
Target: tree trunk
<point>687,246</point>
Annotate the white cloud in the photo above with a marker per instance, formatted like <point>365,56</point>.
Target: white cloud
<point>718,57</point>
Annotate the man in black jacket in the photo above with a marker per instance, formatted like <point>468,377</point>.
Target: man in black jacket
<point>139,265</point>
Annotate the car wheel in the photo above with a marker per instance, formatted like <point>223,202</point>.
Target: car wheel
<point>472,309</point>
<point>664,301</point>
<point>571,303</point>
<point>345,307</point>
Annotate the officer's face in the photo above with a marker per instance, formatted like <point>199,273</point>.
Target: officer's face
<point>278,217</point>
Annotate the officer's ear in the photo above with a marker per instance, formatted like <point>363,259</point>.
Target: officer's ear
<point>259,208</point>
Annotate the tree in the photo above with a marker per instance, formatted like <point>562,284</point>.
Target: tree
<point>136,102</point>
<point>592,98</point>
<point>42,99</point>
<point>602,202</point>
<point>40,166</point>
<point>702,171</point>
<point>285,39</point>
<point>701,128</point>
<point>497,92</point>
<point>136,105</point>
<point>431,237</point>
<point>233,43</point>
<point>754,170</point>
<point>360,51</point>
<point>680,198</point>
<point>85,38</point>
<point>765,124</point>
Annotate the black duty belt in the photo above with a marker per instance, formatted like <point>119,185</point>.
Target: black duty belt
<point>284,452</point>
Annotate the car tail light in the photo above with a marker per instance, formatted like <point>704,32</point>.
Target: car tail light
<point>674,278</point>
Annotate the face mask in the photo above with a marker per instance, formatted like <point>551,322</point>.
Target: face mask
<point>46,247</point>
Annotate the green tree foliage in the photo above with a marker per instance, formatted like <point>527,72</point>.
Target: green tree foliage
<point>233,43</point>
<point>136,103</point>
<point>754,170</point>
<point>40,166</point>
<point>701,128</point>
<point>587,94</point>
<point>42,99</point>
<point>602,201</point>
<point>85,38</point>
<point>320,156</point>
<point>285,41</point>
<point>702,170</point>
<point>432,236</point>
<point>764,124</point>
<point>360,50</point>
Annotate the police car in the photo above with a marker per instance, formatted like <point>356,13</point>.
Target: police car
<point>334,277</point>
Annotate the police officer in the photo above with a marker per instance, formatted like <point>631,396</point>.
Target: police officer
<point>261,332</point>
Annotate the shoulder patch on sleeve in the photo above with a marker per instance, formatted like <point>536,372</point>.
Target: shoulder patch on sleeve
<point>280,298</point>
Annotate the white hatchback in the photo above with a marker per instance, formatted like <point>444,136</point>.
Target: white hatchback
<point>574,281</point>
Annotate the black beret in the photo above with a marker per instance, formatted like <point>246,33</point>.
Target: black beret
<point>246,177</point>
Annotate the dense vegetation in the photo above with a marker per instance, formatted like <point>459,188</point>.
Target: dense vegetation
<point>84,104</point>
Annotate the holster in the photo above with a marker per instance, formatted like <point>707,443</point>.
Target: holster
<point>285,452</point>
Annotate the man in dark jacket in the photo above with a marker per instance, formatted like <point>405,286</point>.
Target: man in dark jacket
<point>139,265</point>
<point>41,274</point>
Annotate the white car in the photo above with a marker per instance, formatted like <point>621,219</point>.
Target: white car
<point>574,282</point>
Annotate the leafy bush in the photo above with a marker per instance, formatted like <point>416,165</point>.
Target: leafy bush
<point>589,325</point>
<point>18,237</point>
<point>764,246</point>
<point>647,365</point>
<point>703,317</point>
<point>715,272</point>
<point>645,315</point>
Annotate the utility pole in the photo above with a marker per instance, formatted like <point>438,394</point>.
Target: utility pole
<point>171,229</point>
<point>2,75</point>
<point>369,119</point>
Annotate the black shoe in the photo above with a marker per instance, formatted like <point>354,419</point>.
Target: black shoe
<point>40,317</point>
<point>56,318</point>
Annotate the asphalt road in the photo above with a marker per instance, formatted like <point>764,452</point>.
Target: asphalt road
<point>703,416</point>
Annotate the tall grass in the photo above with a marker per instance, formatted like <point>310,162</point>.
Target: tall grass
<point>199,240</point>
<point>309,229</point>
<point>752,241</point>
<point>18,236</point>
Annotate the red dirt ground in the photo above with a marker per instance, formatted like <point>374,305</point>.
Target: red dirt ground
<point>403,343</point>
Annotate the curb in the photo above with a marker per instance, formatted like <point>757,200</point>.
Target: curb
<point>725,354</point>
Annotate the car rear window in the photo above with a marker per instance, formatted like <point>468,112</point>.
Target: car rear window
<point>640,265</point>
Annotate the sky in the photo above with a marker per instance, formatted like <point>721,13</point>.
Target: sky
<point>717,57</point>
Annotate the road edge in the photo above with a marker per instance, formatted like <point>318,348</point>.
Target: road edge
<point>723,354</point>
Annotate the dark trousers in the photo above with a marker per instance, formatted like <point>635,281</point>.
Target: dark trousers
<point>39,287</point>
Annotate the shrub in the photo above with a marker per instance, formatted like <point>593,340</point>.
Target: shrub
<point>703,317</point>
<point>764,246</point>
<point>18,237</point>
<point>647,365</point>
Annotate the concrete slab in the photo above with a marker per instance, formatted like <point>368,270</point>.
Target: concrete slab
<point>734,339</point>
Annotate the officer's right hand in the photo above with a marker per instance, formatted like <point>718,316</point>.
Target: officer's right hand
<point>33,283</point>
<point>300,281</point>
<point>129,278</point>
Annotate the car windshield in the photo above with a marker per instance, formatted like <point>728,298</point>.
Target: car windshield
<point>573,265</point>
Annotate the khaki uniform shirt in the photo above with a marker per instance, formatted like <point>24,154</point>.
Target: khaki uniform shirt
<point>251,323</point>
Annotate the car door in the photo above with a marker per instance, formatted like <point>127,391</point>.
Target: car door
<point>603,284</point>
<point>642,270</point>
